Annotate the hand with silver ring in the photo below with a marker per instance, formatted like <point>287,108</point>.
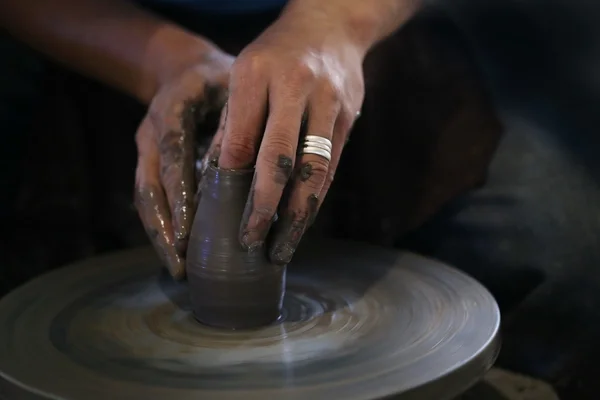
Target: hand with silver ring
<point>306,64</point>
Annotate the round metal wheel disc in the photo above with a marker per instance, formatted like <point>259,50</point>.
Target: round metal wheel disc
<point>358,323</point>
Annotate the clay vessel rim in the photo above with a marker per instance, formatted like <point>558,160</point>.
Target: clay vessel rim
<point>212,166</point>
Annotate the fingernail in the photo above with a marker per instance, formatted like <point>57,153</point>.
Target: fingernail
<point>282,254</point>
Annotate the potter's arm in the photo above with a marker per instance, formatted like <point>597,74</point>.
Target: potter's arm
<point>367,21</point>
<point>110,40</point>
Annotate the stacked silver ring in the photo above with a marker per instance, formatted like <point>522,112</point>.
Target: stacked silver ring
<point>318,145</point>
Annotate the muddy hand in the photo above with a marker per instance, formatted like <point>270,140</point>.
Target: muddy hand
<point>296,68</point>
<point>165,174</point>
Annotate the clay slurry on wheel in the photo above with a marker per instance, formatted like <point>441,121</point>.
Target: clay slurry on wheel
<point>357,323</point>
<point>230,287</point>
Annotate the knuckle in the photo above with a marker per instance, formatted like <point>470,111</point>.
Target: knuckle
<point>278,167</point>
<point>172,143</point>
<point>240,148</point>
<point>171,176</point>
<point>318,176</point>
<point>162,118</point>
<point>329,92</point>
<point>277,161</point>
<point>249,63</point>
<point>320,168</point>
<point>270,160</point>
<point>303,74</point>
<point>280,143</point>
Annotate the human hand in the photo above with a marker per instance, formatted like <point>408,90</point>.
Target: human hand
<point>165,174</point>
<point>305,64</point>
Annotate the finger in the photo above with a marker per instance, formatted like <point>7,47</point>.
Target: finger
<point>177,163</point>
<point>151,202</point>
<point>214,150</point>
<point>246,114</point>
<point>341,133</point>
<point>211,155</point>
<point>310,175</point>
<point>274,165</point>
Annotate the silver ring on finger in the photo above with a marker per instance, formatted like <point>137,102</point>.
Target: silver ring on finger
<point>326,154</point>
<point>317,145</point>
<point>317,141</point>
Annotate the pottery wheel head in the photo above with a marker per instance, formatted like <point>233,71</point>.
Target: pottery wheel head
<point>358,323</point>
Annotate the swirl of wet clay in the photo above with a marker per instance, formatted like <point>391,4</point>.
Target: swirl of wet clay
<point>230,287</point>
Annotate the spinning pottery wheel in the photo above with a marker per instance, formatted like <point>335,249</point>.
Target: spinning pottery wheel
<point>358,323</point>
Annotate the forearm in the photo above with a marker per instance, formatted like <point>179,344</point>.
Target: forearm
<point>366,21</point>
<point>110,40</point>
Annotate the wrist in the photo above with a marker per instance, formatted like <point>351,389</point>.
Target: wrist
<point>171,51</point>
<point>364,23</point>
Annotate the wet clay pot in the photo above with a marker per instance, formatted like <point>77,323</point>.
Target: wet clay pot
<point>229,286</point>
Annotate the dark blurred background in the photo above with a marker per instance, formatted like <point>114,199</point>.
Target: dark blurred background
<point>530,234</point>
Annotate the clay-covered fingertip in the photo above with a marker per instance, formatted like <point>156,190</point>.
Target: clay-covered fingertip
<point>281,254</point>
<point>243,241</point>
<point>248,245</point>
<point>178,273</point>
<point>181,246</point>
